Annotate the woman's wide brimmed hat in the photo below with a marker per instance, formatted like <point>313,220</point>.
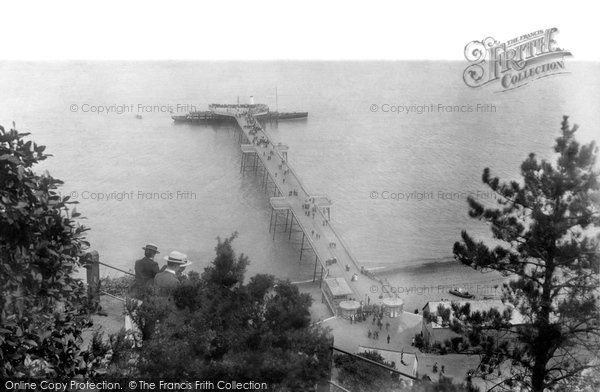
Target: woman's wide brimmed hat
<point>152,247</point>
<point>179,258</point>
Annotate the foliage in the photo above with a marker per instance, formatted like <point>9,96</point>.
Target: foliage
<point>443,313</point>
<point>100,355</point>
<point>214,327</point>
<point>419,341</point>
<point>148,313</point>
<point>428,317</point>
<point>226,270</point>
<point>42,305</point>
<point>187,295</point>
<point>444,384</point>
<point>547,230</point>
<point>362,376</point>
<point>589,381</point>
<point>119,286</point>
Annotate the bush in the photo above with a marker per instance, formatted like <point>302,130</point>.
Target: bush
<point>419,342</point>
<point>119,286</point>
<point>42,304</point>
<point>359,375</point>
<point>456,343</point>
<point>146,316</point>
<point>464,345</point>
<point>214,327</point>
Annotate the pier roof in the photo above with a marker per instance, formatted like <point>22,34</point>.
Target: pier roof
<point>322,200</point>
<point>248,148</point>
<point>280,203</point>
<point>393,302</point>
<point>338,286</point>
<point>349,305</point>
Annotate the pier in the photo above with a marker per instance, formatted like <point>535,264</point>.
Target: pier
<point>295,210</point>
<point>262,113</point>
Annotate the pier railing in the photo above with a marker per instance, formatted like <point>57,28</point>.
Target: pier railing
<point>308,194</point>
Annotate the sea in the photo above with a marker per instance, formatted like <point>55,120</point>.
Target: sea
<point>397,147</point>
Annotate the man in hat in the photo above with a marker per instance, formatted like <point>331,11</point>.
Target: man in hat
<point>146,268</point>
<point>168,280</point>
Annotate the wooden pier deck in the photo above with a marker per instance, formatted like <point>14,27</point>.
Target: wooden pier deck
<point>290,198</point>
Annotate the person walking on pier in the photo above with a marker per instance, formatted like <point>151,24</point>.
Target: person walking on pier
<point>146,268</point>
<point>388,338</point>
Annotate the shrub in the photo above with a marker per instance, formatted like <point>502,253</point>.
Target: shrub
<point>118,286</point>
<point>146,316</point>
<point>419,342</point>
<point>213,327</point>
<point>42,303</point>
<point>456,342</point>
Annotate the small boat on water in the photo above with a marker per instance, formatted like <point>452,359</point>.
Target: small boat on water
<point>460,293</point>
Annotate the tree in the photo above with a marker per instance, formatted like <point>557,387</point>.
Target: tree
<point>444,314</point>
<point>288,308</point>
<point>546,227</point>
<point>226,269</point>
<point>41,302</point>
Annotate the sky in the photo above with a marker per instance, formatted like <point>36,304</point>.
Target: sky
<point>282,30</point>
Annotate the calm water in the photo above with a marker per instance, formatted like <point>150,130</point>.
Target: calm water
<point>344,150</point>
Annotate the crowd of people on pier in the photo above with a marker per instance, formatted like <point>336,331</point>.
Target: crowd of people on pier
<point>309,204</point>
<point>377,315</point>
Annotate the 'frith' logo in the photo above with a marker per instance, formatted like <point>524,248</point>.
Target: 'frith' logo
<point>516,62</point>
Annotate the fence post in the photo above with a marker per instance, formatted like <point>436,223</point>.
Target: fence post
<point>93,275</point>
